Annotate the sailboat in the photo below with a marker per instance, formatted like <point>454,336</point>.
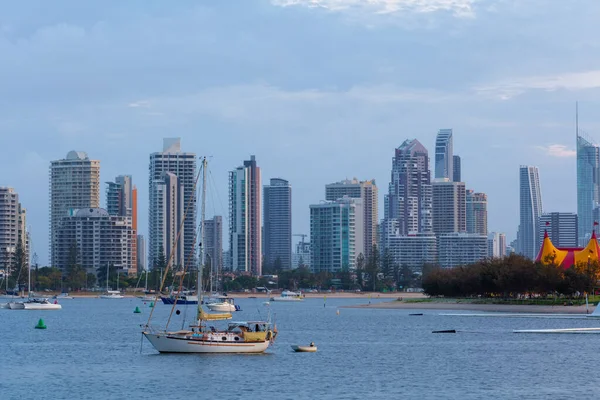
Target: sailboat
<point>238,337</point>
<point>32,303</point>
<point>147,295</point>
<point>111,294</point>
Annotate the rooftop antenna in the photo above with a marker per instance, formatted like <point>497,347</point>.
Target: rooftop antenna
<point>577,119</point>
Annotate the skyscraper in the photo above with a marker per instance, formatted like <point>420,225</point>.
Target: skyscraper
<point>334,229</point>
<point>172,189</point>
<point>530,211</point>
<point>245,240</point>
<point>12,228</point>
<point>141,254</point>
<point>74,184</point>
<point>277,215</point>
<point>456,176</point>
<point>368,192</point>
<point>409,198</point>
<point>561,228</point>
<point>449,214</point>
<point>444,160</point>
<point>588,175</point>
<point>213,243</point>
<point>476,213</point>
<point>121,200</point>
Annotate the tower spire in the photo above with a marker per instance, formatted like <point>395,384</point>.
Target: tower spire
<point>576,119</point>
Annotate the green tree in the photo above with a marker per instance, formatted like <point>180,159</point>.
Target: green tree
<point>19,270</point>
<point>372,269</point>
<point>360,270</point>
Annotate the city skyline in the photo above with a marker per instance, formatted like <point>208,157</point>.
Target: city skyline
<point>356,103</point>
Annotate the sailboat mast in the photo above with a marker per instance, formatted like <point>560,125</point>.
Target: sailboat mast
<point>201,253</point>
<point>107,267</point>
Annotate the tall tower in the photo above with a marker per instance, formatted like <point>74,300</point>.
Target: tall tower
<point>173,174</point>
<point>476,213</point>
<point>530,211</point>
<point>456,175</point>
<point>213,243</point>
<point>368,192</point>
<point>121,200</point>
<point>588,180</point>
<point>277,215</point>
<point>13,231</point>
<point>409,200</point>
<point>444,160</point>
<point>74,184</point>
<point>245,233</point>
<point>449,214</point>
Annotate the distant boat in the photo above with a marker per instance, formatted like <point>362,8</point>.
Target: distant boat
<point>182,298</point>
<point>305,349</point>
<point>286,295</point>
<point>63,296</point>
<point>41,305</point>
<point>222,304</point>
<point>112,294</point>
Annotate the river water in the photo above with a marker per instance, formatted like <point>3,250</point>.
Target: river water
<point>91,350</point>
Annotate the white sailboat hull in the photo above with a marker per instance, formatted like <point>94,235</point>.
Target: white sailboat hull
<point>223,307</point>
<point>286,299</point>
<point>16,306</point>
<point>41,306</point>
<point>111,296</point>
<point>168,344</point>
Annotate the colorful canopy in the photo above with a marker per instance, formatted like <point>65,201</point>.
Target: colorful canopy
<point>567,257</point>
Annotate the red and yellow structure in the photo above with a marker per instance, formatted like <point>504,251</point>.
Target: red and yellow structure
<point>569,256</point>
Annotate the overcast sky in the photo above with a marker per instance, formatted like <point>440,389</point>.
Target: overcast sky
<point>318,90</point>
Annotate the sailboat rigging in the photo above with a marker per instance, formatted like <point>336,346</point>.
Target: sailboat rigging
<point>238,337</point>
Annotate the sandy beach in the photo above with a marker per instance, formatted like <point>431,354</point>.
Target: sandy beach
<point>507,308</point>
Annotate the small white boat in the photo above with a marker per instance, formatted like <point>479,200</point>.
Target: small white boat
<point>41,305</point>
<point>148,298</point>
<point>286,295</point>
<point>63,296</point>
<point>16,305</point>
<point>112,294</point>
<point>222,304</point>
<point>4,306</point>
<point>305,349</point>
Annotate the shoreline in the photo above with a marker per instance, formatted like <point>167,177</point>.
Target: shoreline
<point>507,308</point>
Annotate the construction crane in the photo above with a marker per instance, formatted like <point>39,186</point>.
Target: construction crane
<point>301,234</point>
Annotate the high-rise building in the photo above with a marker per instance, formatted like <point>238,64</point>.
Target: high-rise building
<point>476,213</point>
<point>561,227</point>
<point>496,245</point>
<point>172,191</point>
<point>455,249</point>
<point>99,239</point>
<point>588,173</point>
<point>530,211</point>
<point>245,233</point>
<point>121,199</point>
<point>277,215</point>
<point>141,254</point>
<point>301,256</point>
<point>368,192</point>
<point>413,251</point>
<point>444,159</point>
<point>13,229</point>
<point>74,184</point>
<point>409,200</point>
<point>456,175</point>
<point>449,214</point>
<point>334,229</point>
<point>213,243</point>
<point>502,245</point>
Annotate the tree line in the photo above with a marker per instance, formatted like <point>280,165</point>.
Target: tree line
<point>513,276</point>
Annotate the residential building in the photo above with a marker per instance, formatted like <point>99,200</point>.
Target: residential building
<point>496,245</point>
<point>245,217</point>
<point>121,199</point>
<point>98,238</point>
<point>449,214</point>
<point>502,245</point>
<point>409,199</point>
<point>588,173</point>
<point>413,251</point>
<point>74,184</point>
<point>368,192</point>
<point>561,228</point>
<point>335,233</point>
<point>455,249</point>
<point>444,159</point>
<point>530,211</point>
<point>476,213</point>
<point>456,175</point>
<point>172,195</point>
<point>13,229</point>
<point>141,254</point>
<point>213,243</point>
<point>301,255</point>
<point>277,216</point>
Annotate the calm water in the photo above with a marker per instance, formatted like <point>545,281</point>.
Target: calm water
<point>91,350</point>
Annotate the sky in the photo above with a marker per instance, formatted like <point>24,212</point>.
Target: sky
<point>318,90</point>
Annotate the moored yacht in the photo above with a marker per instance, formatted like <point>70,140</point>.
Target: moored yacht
<point>112,294</point>
<point>222,304</point>
<point>286,295</point>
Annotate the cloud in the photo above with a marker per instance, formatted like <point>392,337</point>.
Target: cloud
<point>139,104</point>
<point>510,88</point>
<point>459,8</point>
<point>557,150</point>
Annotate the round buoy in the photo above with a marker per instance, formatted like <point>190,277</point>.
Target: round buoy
<point>40,324</point>
<point>177,312</point>
<point>137,310</point>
